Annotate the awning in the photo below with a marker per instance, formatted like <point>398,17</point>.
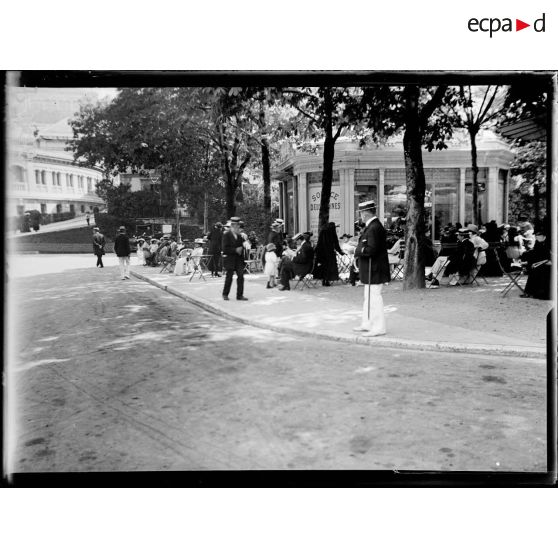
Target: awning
<point>530,129</point>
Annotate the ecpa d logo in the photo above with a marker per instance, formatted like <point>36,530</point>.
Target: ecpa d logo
<point>493,25</point>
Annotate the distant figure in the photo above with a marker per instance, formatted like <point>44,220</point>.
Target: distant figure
<point>215,239</point>
<point>326,260</point>
<point>98,246</point>
<point>233,260</point>
<point>374,271</point>
<point>270,268</point>
<point>122,250</point>
<point>87,217</point>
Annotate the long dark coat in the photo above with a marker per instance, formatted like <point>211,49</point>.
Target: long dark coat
<point>276,237</point>
<point>214,248</point>
<point>304,259</point>
<point>231,260</point>
<point>463,259</point>
<point>99,244</point>
<point>122,245</point>
<point>373,262</point>
<point>326,260</point>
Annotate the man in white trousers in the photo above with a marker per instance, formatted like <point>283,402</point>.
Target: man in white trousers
<point>373,265</point>
<point>122,249</point>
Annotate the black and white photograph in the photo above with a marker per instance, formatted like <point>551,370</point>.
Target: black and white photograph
<point>337,272</point>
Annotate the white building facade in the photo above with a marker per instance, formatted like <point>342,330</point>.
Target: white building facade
<point>40,173</point>
<point>378,173</point>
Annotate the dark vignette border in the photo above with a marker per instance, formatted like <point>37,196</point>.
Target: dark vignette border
<point>316,478</point>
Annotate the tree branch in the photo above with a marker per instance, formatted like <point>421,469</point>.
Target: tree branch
<point>432,104</point>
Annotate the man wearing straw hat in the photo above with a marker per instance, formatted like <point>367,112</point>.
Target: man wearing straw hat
<point>373,266</point>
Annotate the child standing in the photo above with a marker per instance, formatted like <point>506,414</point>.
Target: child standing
<point>270,268</point>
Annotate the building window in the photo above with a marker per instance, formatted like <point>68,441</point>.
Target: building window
<point>89,184</point>
<point>58,208</point>
<point>44,207</point>
<point>83,208</point>
<point>18,172</point>
<point>366,187</point>
<point>43,177</point>
<point>395,197</point>
<point>37,177</point>
<point>54,178</point>
<point>58,179</point>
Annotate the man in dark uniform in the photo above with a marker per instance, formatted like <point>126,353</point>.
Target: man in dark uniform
<point>122,250</point>
<point>373,266</point>
<point>233,259</point>
<point>98,246</point>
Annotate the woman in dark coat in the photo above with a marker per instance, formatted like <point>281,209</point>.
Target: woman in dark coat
<point>492,236</point>
<point>326,260</point>
<point>215,238</point>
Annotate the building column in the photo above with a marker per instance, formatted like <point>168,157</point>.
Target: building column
<point>506,198</point>
<point>461,195</point>
<point>344,190</point>
<point>350,201</point>
<point>302,203</point>
<point>295,205</point>
<point>281,196</point>
<point>381,203</point>
<point>492,194</point>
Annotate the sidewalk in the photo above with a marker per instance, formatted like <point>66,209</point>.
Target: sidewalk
<point>462,319</point>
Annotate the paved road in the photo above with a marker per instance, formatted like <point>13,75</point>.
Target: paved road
<point>120,376</point>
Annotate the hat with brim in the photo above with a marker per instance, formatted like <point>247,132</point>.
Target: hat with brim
<point>367,206</point>
<point>279,222</point>
<point>234,220</point>
<point>472,228</point>
<point>463,231</point>
<point>199,241</point>
<point>95,228</point>
<point>270,247</point>
<point>298,236</point>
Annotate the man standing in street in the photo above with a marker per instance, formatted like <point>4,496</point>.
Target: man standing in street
<point>373,266</point>
<point>122,250</point>
<point>233,259</point>
<point>98,246</point>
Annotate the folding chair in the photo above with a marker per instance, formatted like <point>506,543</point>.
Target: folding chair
<point>399,265</point>
<point>168,264</point>
<point>344,263</point>
<point>198,267</point>
<point>251,263</point>
<point>513,276</point>
<point>307,281</point>
<point>439,273</point>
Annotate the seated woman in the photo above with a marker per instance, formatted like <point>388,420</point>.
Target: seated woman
<point>448,241</point>
<point>463,260</point>
<point>539,267</point>
<point>297,263</point>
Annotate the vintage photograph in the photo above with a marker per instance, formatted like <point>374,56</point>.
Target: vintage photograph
<point>257,272</point>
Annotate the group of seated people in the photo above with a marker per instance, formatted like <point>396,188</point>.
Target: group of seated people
<point>493,250</point>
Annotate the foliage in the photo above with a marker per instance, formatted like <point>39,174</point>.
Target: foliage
<point>529,170</point>
<point>328,112</point>
<point>475,108</point>
<point>108,224</point>
<point>417,113</point>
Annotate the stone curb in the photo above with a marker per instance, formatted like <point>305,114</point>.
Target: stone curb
<point>469,348</point>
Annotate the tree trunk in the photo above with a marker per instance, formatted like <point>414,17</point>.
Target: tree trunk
<point>327,178</point>
<point>205,212</point>
<point>416,187</point>
<point>265,164</point>
<point>266,179</point>
<point>230,195</point>
<point>329,153</point>
<point>474,165</point>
